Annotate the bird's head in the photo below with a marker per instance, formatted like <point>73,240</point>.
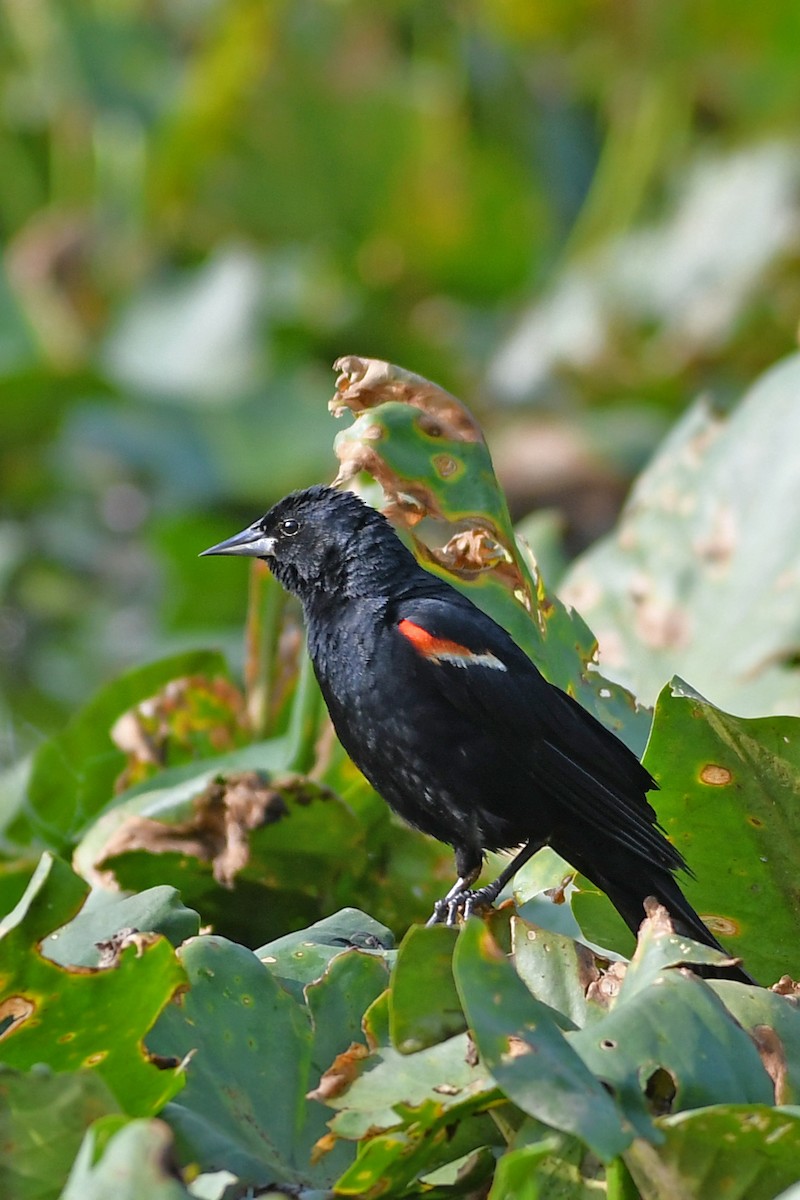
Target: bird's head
<point>320,540</point>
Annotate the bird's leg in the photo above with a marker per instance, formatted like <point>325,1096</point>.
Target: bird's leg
<point>462,899</point>
<point>485,897</point>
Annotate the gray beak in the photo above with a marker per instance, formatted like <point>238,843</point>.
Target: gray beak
<point>251,543</point>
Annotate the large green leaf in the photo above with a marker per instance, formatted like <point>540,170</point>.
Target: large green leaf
<point>43,1118</point>
<point>256,1052</point>
<point>728,801</point>
<point>76,1018</point>
<point>701,578</point>
<point>526,1051</point>
<point>773,1022</point>
<point>668,1043</point>
<point>105,914</point>
<point>423,1001</point>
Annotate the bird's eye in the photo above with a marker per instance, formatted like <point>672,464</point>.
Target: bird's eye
<point>290,527</point>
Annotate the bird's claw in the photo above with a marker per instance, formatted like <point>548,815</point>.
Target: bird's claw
<point>463,904</point>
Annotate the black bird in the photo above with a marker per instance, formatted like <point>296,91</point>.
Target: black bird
<point>453,724</point>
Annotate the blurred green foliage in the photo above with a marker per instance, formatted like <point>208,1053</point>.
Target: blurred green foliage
<point>574,215</point>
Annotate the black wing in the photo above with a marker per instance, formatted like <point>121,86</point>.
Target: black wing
<point>570,757</point>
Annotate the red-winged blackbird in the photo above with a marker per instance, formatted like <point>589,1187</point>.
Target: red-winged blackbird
<point>453,724</point>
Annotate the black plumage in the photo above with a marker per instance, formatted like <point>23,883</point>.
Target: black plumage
<point>452,723</point>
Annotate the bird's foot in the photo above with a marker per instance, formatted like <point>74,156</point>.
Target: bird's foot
<point>463,903</point>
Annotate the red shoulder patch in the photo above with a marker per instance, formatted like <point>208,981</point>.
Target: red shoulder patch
<point>430,646</point>
<point>441,650</point>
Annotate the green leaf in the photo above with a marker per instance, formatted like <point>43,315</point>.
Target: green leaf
<point>549,1169</point>
<point>424,1006</point>
<point>33,1166</point>
<point>78,1018</point>
<point>556,969</point>
<point>732,782</point>
<point>251,1043</point>
<point>526,1052</point>
<point>773,1022</point>
<point>53,896</point>
<point>132,1163</point>
<point>72,774</point>
<point>389,1163</point>
<point>158,910</point>
<point>300,958</point>
<point>706,548</point>
<point>257,1052</point>
<point>739,1152</point>
<point>377,1089</point>
<point>668,1042</point>
<point>337,1001</point>
<point>14,878</point>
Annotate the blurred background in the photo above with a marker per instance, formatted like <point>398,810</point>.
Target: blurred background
<point>575,216</point>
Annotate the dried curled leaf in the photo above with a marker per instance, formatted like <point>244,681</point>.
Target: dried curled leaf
<point>364,383</point>
<point>223,816</point>
<point>345,1068</point>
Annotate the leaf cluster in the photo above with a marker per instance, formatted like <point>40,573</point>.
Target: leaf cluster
<point>199,1007</point>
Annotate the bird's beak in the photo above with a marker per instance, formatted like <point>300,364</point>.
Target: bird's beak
<point>251,543</point>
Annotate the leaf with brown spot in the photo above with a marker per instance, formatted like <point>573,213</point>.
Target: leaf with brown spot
<point>707,546</point>
<point>773,1056</point>
<point>715,775</point>
<point>429,456</point>
<point>548,1080</point>
<point>72,774</point>
<point>728,800</point>
<point>740,1151</point>
<point>77,1017</point>
<point>224,814</point>
<point>772,1019</point>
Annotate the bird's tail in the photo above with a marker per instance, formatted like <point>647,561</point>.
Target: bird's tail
<point>628,898</point>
